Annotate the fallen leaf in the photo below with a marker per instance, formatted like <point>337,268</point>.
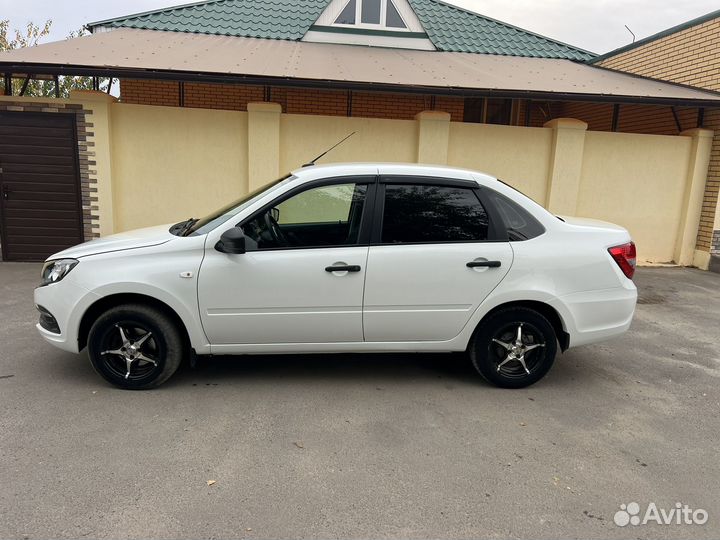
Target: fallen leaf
<point>523,424</point>
<point>299,444</point>
<point>249,529</point>
<point>211,482</point>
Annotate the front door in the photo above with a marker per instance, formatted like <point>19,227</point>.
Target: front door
<point>40,206</point>
<point>434,262</point>
<point>301,279</point>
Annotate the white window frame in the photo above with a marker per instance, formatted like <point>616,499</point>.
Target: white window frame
<point>383,18</point>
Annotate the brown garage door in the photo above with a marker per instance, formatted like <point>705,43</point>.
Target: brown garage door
<point>40,204</point>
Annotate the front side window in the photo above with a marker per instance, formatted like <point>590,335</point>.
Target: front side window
<point>318,217</point>
<point>427,213</point>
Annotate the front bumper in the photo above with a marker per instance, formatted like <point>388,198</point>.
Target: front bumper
<point>66,301</point>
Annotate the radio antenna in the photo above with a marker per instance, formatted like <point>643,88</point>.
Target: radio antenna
<point>311,163</point>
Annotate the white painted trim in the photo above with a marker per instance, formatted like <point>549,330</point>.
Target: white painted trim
<point>393,42</point>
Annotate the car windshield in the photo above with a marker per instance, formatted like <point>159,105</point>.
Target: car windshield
<point>211,221</point>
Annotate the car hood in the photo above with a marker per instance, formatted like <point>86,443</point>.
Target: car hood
<point>591,223</point>
<point>139,238</point>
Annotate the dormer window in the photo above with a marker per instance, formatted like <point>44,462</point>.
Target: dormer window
<point>371,14</point>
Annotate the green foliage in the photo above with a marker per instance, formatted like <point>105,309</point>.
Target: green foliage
<point>30,36</point>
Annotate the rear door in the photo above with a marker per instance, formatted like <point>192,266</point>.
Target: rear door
<point>436,255</point>
<point>40,205</point>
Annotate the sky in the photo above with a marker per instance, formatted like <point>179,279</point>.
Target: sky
<point>596,25</point>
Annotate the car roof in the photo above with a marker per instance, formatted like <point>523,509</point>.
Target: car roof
<point>315,172</point>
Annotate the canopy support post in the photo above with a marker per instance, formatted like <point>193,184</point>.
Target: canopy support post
<point>25,85</point>
<point>677,119</point>
<point>615,117</point>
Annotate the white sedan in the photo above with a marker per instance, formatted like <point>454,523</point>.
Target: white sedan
<point>351,258</point>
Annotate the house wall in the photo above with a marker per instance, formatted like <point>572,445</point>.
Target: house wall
<point>690,56</point>
<point>396,106</point>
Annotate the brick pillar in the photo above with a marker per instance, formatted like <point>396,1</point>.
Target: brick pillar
<point>263,143</point>
<point>101,104</point>
<point>565,165</point>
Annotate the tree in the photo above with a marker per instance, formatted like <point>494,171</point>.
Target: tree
<point>30,36</point>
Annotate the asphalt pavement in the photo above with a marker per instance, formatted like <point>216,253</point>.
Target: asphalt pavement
<point>368,446</point>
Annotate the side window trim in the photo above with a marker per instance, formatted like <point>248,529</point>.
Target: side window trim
<point>365,221</point>
<point>428,180</point>
<point>497,231</point>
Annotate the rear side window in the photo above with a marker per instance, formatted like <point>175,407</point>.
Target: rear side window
<point>520,224</point>
<point>426,213</point>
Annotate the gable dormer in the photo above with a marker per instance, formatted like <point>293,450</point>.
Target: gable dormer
<point>379,23</point>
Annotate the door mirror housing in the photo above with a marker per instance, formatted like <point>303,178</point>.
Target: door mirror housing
<point>232,241</point>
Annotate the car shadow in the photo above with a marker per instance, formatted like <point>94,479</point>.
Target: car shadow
<point>350,367</point>
<point>357,368</point>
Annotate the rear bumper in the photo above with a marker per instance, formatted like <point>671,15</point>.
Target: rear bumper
<point>594,316</point>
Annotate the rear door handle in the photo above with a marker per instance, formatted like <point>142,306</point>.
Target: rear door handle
<point>483,264</point>
<point>343,268</point>
<point>5,193</point>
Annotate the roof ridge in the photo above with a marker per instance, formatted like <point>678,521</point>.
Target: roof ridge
<point>498,21</point>
<point>152,12</point>
<point>657,35</point>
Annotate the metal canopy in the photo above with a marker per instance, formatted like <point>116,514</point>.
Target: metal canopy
<point>152,54</point>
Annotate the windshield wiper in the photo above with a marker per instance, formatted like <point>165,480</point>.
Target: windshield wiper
<point>189,224</point>
<point>182,228</point>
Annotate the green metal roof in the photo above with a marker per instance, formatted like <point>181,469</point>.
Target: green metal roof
<point>450,28</point>
<point>270,19</point>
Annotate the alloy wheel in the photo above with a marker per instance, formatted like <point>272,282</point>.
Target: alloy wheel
<point>517,349</point>
<point>129,350</point>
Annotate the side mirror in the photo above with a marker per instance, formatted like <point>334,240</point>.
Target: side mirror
<point>232,241</point>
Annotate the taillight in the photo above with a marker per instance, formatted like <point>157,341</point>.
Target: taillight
<point>625,257</point>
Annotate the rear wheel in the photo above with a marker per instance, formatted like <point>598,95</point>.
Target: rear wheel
<point>135,346</point>
<point>514,347</point>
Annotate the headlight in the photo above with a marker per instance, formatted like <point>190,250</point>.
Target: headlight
<point>54,271</point>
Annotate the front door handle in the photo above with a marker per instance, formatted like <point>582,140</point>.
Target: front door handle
<point>343,268</point>
<point>5,193</point>
<point>483,264</point>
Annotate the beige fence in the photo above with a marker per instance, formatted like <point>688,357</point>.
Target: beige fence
<point>163,164</point>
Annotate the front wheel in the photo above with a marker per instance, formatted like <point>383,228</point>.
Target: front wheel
<point>135,346</point>
<point>514,347</point>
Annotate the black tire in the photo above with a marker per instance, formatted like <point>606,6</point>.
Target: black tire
<point>497,364</point>
<point>156,358</point>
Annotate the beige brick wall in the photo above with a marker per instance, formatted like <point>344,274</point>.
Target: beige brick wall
<point>690,56</point>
